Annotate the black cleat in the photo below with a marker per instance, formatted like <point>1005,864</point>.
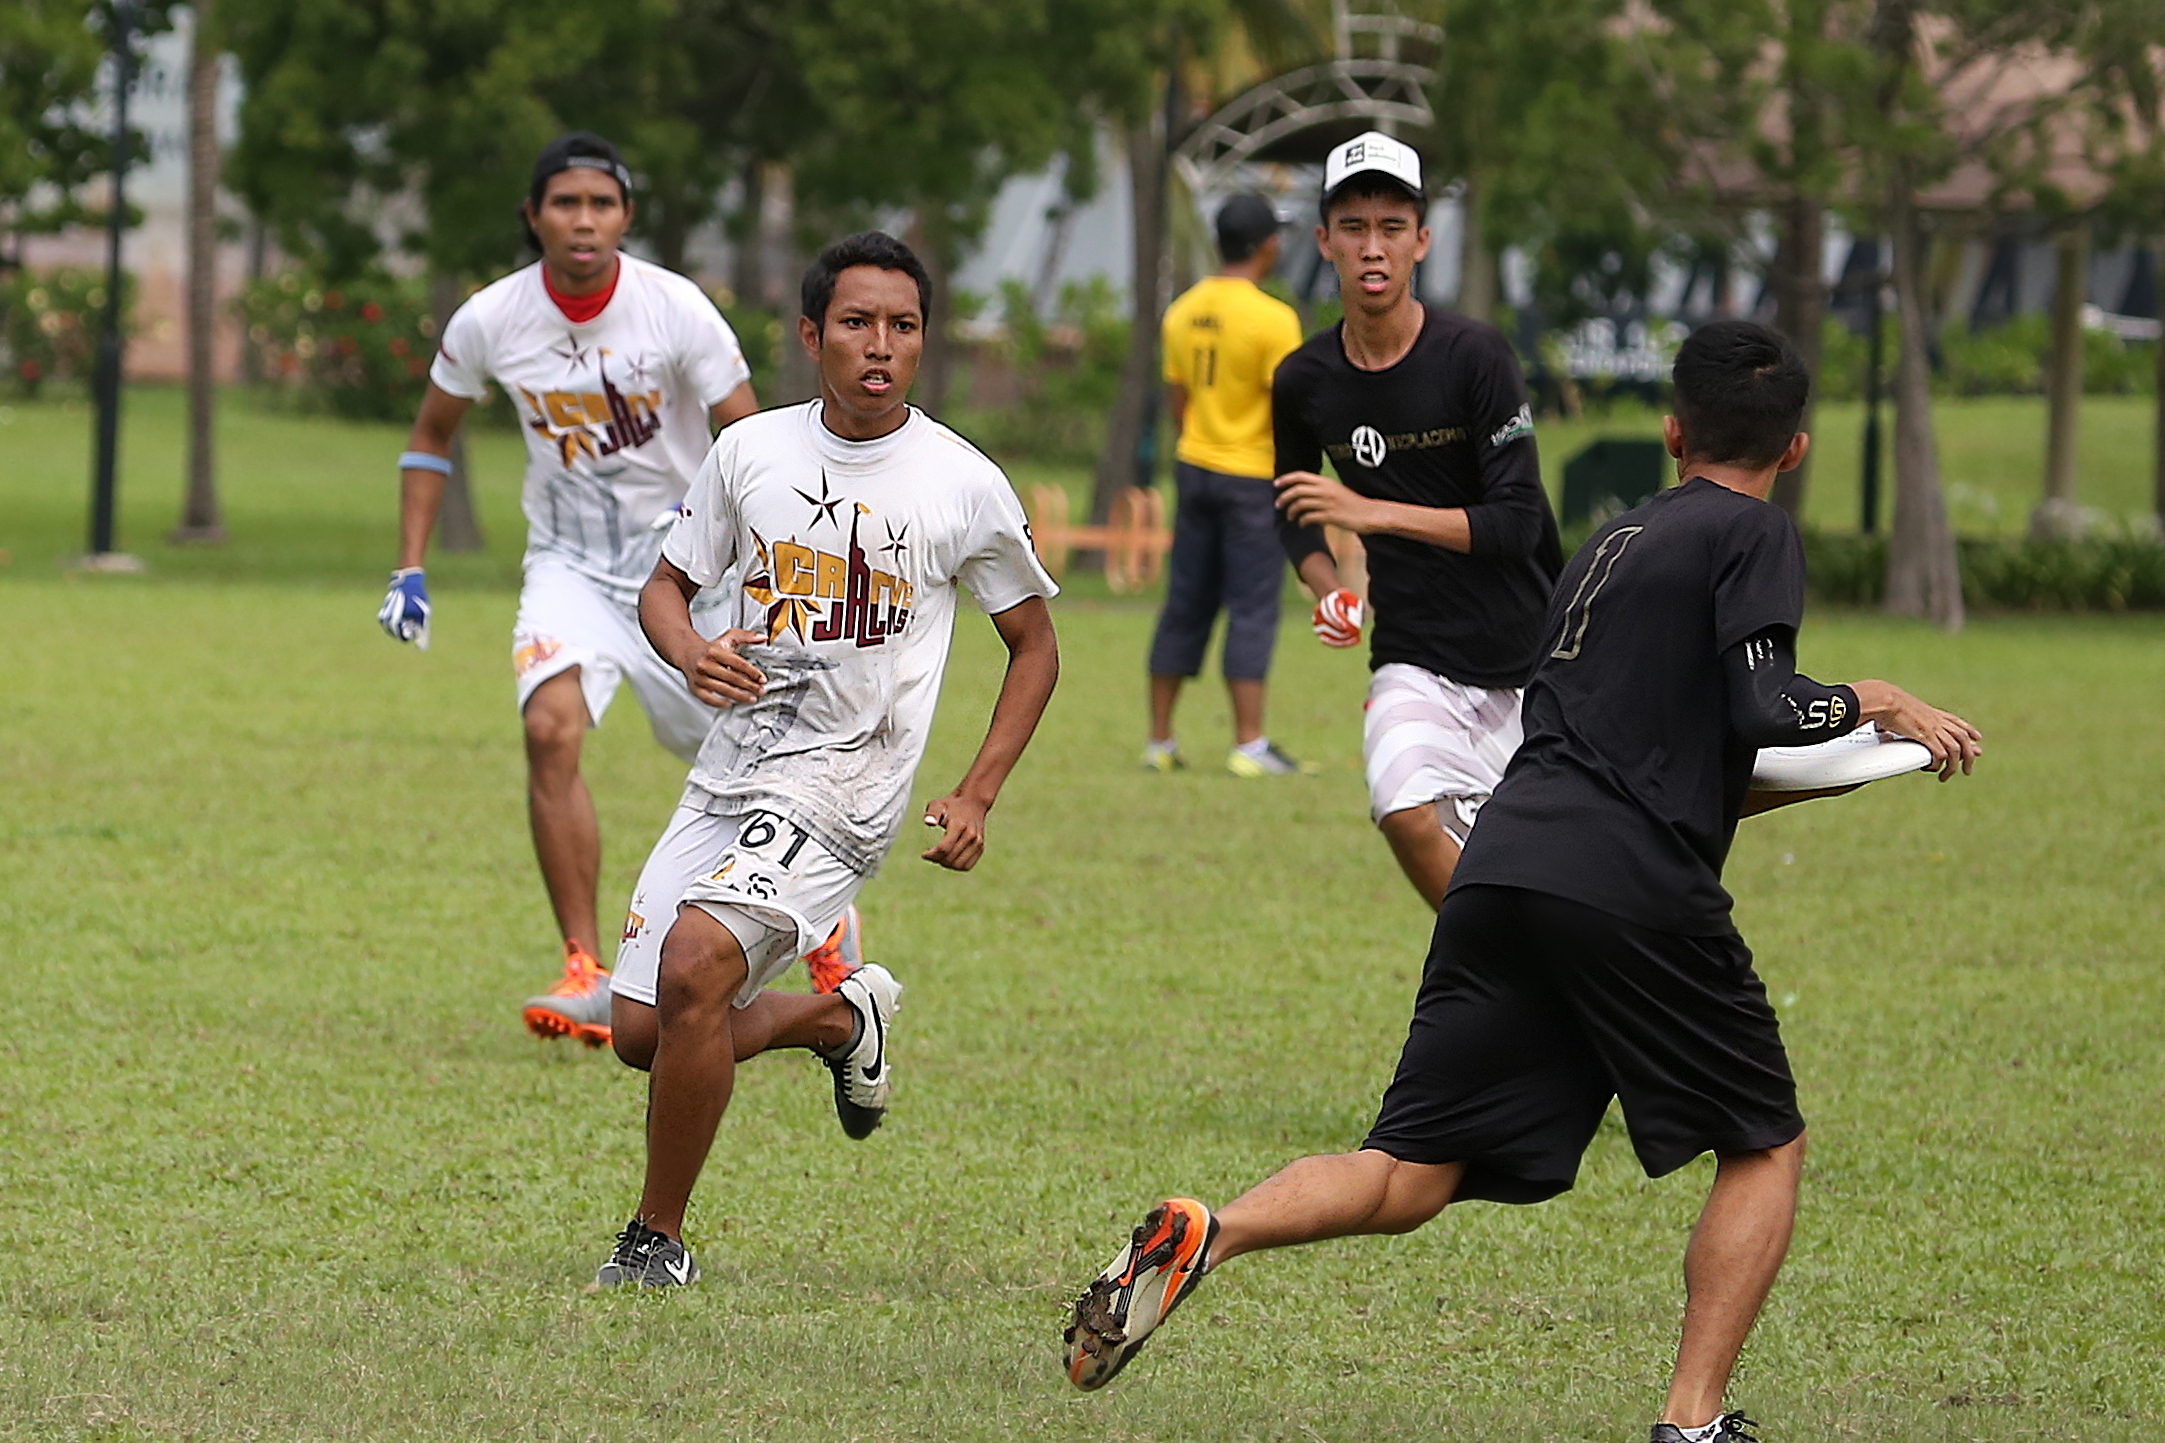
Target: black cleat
<point>648,1259</point>
<point>1729,1428</point>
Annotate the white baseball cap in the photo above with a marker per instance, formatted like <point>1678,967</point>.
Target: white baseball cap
<point>1373,152</point>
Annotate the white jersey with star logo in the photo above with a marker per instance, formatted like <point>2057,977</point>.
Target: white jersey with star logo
<point>614,409</point>
<point>845,555</point>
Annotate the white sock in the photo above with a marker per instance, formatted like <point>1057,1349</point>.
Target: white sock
<point>1164,748</point>
<point>1701,1434</point>
<point>1254,750</point>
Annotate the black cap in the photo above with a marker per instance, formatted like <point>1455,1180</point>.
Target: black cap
<point>1244,223</point>
<point>580,149</point>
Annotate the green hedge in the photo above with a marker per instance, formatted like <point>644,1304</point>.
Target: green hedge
<point>2105,573</point>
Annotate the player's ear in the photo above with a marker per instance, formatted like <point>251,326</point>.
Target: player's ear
<point>808,335</point>
<point>1323,241</point>
<point>1672,436</point>
<point>1793,455</point>
<point>1420,246</point>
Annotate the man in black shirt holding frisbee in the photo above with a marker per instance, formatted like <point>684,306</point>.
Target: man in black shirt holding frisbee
<point>1425,418</point>
<point>1585,949</point>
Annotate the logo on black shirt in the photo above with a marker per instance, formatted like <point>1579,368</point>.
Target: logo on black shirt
<point>1368,447</point>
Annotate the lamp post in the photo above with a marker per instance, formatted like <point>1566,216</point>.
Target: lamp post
<point>105,383</point>
<point>1874,369</point>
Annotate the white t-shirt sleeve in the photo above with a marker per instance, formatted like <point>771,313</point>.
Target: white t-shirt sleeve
<point>1001,568</point>
<point>708,355</point>
<point>703,542</point>
<point>461,366</point>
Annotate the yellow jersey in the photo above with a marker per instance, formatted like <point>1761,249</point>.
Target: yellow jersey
<point>1224,339</point>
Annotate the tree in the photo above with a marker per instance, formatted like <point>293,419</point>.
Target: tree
<point>1142,57</point>
<point>357,108</point>
<point>1519,90</point>
<point>1767,92</point>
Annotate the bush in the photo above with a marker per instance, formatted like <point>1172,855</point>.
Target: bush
<point>1070,371</point>
<point>51,321</point>
<point>2002,360</point>
<point>360,348</point>
<point>2102,573</point>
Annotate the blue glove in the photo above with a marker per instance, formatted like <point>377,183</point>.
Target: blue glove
<point>405,607</point>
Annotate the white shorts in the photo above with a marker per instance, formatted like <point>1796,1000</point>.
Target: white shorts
<point>1425,738</point>
<point>768,880</point>
<point>568,620</point>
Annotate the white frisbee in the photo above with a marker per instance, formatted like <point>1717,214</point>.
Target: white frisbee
<point>1865,755</point>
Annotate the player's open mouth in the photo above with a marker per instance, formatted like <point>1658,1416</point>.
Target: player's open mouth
<point>879,383</point>
<point>1374,283</point>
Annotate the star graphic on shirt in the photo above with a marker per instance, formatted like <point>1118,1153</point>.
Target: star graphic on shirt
<point>571,350</point>
<point>637,372</point>
<point>896,543</point>
<point>825,504</point>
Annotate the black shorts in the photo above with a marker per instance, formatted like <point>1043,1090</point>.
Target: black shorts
<point>1534,1011</point>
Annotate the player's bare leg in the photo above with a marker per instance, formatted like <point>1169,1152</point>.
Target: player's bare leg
<point>567,837</point>
<point>1164,696</point>
<point>1334,1195</point>
<point>1247,698</point>
<point>774,1021</point>
<point>1331,1196</point>
<point>1426,852</point>
<point>1737,1248</point>
<point>694,1067</point>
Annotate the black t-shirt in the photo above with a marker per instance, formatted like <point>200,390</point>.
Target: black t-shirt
<point>1626,791</point>
<point>1448,425</point>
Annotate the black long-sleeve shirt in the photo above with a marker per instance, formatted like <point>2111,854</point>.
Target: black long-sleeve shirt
<point>1447,426</point>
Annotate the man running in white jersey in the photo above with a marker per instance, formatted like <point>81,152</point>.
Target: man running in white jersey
<point>617,367</point>
<point>844,526</point>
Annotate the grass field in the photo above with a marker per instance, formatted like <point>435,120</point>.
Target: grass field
<point>282,1165</point>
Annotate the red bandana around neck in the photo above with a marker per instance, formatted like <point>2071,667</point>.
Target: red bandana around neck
<point>580,309</point>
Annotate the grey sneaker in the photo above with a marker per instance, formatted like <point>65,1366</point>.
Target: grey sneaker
<point>577,1006</point>
<point>863,1077</point>
<point>1728,1428</point>
<point>646,1258</point>
<point>1272,763</point>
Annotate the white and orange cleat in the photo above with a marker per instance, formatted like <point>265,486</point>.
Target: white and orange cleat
<point>577,1006</point>
<point>841,954</point>
<point>1161,1264</point>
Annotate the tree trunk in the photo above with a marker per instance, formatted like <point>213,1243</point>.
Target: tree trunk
<point>458,527</point>
<point>2160,483</point>
<point>199,515</point>
<point>796,377</point>
<point>1800,310</point>
<point>1923,575</point>
<point>2057,515</point>
<point>933,240</point>
<point>749,274</point>
<point>1477,280</point>
<point>1147,164</point>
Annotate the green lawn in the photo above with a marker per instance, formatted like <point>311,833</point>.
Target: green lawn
<point>283,1165</point>
<point>318,501</point>
<point>1992,460</point>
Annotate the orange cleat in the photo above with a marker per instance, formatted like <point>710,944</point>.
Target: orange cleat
<point>841,954</point>
<point>577,1006</point>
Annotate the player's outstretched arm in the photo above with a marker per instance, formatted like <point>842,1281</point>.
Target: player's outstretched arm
<point>1953,742</point>
<point>421,487</point>
<point>717,671</point>
<point>1033,666</point>
<point>422,472</point>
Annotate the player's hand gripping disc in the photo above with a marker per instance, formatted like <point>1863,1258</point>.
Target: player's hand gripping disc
<point>1865,755</point>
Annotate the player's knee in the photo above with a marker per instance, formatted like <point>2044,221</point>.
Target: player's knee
<point>555,719</point>
<point>702,967</point>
